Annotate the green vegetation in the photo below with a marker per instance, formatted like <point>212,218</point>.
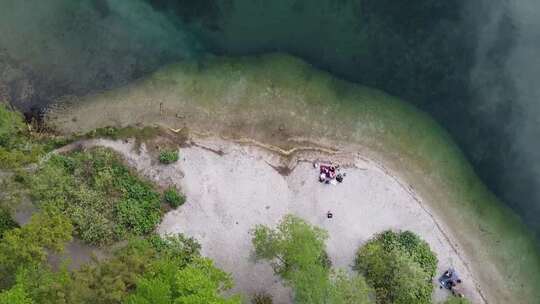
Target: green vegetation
<point>93,195</point>
<point>296,252</point>
<point>6,222</point>
<point>15,296</point>
<point>262,298</point>
<point>197,282</point>
<point>102,198</point>
<point>168,156</point>
<point>173,197</point>
<point>456,300</point>
<point>139,134</point>
<point>29,245</point>
<point>400,266</point>
<point>17,148</point>
<point>151,270</point>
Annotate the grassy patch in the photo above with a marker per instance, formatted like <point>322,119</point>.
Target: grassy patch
<point>139,134</point>
<point>102,198</point>
<point>168,156</point>
<point>173,197</point>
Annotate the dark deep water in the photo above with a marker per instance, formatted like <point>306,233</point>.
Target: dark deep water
<point>472,64</point>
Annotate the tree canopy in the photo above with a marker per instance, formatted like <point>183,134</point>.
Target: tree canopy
<point>29,245</point>
<point>197,283</point>
<point>296,251</point>
<point>400,266</point>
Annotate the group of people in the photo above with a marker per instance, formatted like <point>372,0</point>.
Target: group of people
<point>450,281</point>
<point>329,174</point>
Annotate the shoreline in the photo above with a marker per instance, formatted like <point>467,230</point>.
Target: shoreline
<point>279,100</point>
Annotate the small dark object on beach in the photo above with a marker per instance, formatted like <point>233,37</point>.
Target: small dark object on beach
<point>329,215</point>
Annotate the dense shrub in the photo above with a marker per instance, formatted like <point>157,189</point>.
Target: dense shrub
<point>12,127</point>
<point>400,266</point>
<point>16,147</point>
<point>102,198</point>
<point>173,197</point>
<point>261,298</point>
<point>197,282</point>
<point>111,280</point>
<point>168,156</point>
<point>30,245</point>
<point>6,222</point>
<point>16,295</point>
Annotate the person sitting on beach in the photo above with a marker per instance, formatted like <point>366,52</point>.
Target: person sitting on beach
<point>332,172</point>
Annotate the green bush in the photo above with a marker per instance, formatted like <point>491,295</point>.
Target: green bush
<point>17,148</point>
<point>113,279</point>
<point>102,198</point>
<point>6,222</point>
<point>262,298</point>
<point>400,266</point>
<point>168,156</point>
<point>173,197</point>
<point>12,127</point>
<point>15,295</point>
<point>30,245</point>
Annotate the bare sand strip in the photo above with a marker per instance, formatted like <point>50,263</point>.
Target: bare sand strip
<point>232,191</point>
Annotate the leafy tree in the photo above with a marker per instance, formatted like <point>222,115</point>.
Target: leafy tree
<point>15,295</point>
<point>45,286</point>
<point>296,252</point>
<point>6,222</point>
<point>16,146</point>
<point>111,281</point>
<point>28,245</point>
<point>399,266</point>
<point>11,127</point>
<point>197,283</point>
<point>292,245</point>
<point>349,290</point>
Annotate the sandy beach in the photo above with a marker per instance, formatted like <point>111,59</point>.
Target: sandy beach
<point>232,187</point>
